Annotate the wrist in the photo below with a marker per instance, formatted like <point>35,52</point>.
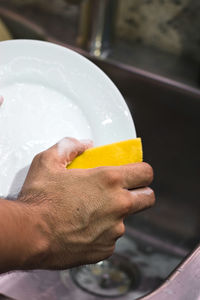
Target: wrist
<point>36,235</point>
<point>24,236</point>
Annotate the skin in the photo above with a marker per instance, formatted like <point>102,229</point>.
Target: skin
<point>65,218</point>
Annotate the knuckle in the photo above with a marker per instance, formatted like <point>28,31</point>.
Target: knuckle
<point>126,204</point>
<point>42,157</point>
<point>37,157</point>
<point>111,177</point>
<point>120,229</point>
<point>108,175</point>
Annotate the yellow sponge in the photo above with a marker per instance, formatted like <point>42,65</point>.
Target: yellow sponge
<point>116,154</point>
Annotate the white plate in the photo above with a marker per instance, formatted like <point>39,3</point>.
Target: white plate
<point>72,97</point>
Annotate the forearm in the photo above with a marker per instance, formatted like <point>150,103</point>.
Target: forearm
<point>22,237</point>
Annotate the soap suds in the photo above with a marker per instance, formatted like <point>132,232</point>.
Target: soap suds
<point>145,191</point>
<point>87,142</point>
<point>67,146</point>
<point>33,118</point>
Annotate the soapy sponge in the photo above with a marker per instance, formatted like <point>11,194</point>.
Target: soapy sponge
<point>116,154</point>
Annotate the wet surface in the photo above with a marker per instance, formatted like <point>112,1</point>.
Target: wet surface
<point>144,264</point>
<point>112,277</point>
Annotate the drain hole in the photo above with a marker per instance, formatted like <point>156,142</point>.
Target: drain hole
<point>113,277</point>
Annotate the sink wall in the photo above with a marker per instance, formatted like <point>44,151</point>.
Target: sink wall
<point>166,116</point>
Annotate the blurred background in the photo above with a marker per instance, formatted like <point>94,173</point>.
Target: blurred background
<point>159,36</point>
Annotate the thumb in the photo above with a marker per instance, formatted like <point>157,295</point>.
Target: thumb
<point>68,149</point>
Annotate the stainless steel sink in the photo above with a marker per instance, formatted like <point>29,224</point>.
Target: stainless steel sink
<point>166,115</point>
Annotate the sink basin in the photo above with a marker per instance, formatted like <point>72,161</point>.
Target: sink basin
<point>166,115</point>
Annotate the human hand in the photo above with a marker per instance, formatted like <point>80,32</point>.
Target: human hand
<point>81,210</point>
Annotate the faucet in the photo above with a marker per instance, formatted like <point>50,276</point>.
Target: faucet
<point>96,27</point>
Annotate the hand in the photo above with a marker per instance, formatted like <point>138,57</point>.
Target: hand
<point>82,209</point>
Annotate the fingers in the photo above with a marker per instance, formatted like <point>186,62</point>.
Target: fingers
<point>138,200</point>
<point>136,175</point>
<point>128,176</point>
<point>65,151</point>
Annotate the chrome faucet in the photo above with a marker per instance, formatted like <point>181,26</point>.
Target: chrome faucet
<point>96,28</point>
